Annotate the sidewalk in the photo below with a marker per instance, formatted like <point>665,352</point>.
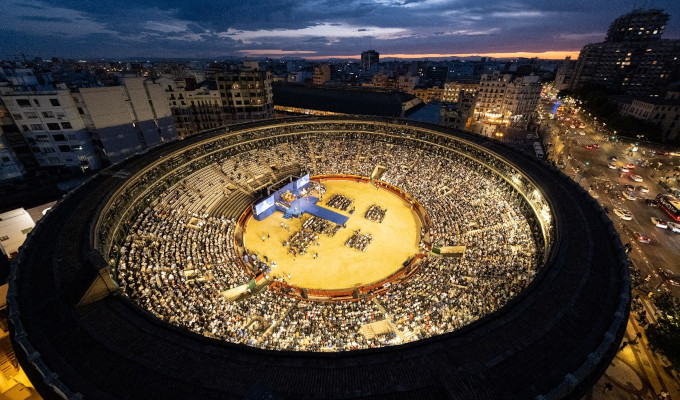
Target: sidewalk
<point>637,372</point>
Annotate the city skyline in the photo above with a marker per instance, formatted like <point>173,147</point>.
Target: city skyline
<point>312,29</point>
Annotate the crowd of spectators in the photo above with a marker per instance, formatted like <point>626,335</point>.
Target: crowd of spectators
<point>178,265</point>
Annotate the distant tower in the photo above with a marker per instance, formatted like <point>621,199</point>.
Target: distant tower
<point>369,59</point>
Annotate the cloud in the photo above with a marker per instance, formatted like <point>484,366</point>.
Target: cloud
<point>274,52</point>
<point>44,19</point>
<point>19,15</point>
<point>518,14</point>
<point>581,36</point>
<point>326,30</point>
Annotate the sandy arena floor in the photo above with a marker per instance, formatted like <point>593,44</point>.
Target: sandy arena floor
<point>339,267</point>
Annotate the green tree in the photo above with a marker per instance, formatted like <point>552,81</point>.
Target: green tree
<point>665,334</point>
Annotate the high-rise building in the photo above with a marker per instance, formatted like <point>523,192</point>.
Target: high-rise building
<point>637,26</point>
<point>633,59</point>
<point>370,60</point>
<point>246,93</point>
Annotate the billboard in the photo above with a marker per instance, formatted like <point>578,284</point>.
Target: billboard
<point>302,182</point>
<point>264,205</point>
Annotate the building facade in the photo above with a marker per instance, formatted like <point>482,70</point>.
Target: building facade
<point>194,107</point>
<point>564,74</point>
<point>452,91</point>
<point>633,59</point>
<point>51,125</point>
<point>664,113</point>
<point>502,99</point>
<point>458,115</point>
<point>322,74</point>
<point>246,94</point>
<point>127,119</point>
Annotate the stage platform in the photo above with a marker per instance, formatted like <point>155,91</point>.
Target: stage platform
<point>308,205</point>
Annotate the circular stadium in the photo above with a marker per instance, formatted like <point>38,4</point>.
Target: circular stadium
<point>339,258</point>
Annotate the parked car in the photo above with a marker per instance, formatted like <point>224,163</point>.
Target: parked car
<point>642,189</point>
<point>636,178</point>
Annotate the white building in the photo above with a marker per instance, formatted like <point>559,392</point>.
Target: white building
<point>127,119</point>
<point>664,113</point>
<point>52,126</point>
<point>322,74</point>
<point>194,107</point>
<point>503,100</point>
<point>452,91</point>
<point>14,226</point>
<point>246,94</point>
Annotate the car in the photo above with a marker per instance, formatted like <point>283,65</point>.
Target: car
<point>613,158</point>
<point>636,178</point>
<point>630,165</point>
<point>596,146</point>
<point>642,238</point>
<point>642,189</point>
<point>629,188</point>
<point>572,126</point>
<point>629,195</point>
<point>582,133</point>
<point>611,166</point>
<point>623,214</point>
<point>588,146</point>
<point>581,126</point>
<point>623,170</point>
<point>668,274</point>
<point>659,223</point>
<point>675,227</point>
<point>651,202</point>
<point>661,153</point>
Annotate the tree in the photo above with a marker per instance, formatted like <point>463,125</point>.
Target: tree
<point>665,334</point>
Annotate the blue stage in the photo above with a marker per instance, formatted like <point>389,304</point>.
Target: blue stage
<point>297,207</point>
<point>308,205</point>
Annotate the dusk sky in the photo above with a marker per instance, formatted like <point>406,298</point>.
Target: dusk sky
<point>315,29</point>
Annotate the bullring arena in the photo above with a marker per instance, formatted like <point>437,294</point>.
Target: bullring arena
<point>463,269</point>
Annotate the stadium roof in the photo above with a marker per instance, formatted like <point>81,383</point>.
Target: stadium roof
<point>353,101</point>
